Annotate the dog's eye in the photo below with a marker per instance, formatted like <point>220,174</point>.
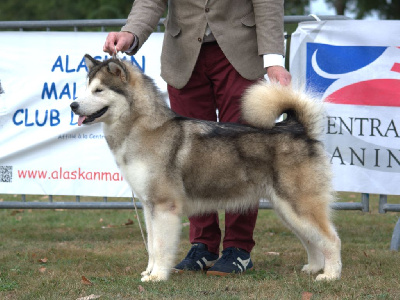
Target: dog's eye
<point>98,90</point>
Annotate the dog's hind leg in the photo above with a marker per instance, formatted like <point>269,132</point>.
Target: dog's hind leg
<point>317,234</point>
<point>166,228</point>
<point>315,258</point>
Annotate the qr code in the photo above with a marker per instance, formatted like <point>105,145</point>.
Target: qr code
<point>5,173</point>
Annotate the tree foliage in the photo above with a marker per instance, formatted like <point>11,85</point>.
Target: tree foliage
<point>386,9</point>
<point>26,10</point>
<point>297,7</point>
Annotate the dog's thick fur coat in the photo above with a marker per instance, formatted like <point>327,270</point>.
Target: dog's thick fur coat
<point>177,165</point>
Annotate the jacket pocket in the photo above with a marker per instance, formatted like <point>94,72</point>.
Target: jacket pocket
<point>171,27</point>
<point>249,20</point>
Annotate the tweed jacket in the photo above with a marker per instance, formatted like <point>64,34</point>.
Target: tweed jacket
<point>244,29</point>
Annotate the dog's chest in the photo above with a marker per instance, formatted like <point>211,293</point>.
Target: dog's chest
<point>137,174</point>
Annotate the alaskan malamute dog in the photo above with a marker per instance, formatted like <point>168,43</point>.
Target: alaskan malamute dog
<point>177,165</point>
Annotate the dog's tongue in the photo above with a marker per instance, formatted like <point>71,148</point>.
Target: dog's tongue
<point>81,119</point>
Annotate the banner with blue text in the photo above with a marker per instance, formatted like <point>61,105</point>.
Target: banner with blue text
<point>354,66</point>
<point>42,149</point>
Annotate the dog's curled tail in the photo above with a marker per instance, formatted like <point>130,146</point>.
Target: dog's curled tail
<point>264,102</point>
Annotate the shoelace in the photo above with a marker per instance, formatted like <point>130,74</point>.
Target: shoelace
<point>192,252</point>
<point>227,254</point>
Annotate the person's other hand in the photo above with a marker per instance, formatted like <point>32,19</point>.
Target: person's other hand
<point>279,74</point>
<point>118,41</point>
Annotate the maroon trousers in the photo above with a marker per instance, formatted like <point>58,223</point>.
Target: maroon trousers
<point>215,85</point>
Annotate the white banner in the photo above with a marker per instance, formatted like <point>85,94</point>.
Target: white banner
<point>42,150</point>
<point>354,64</point>
<point>355,67</point>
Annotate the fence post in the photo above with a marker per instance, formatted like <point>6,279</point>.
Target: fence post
<point>382,203</point>
<point>395,243</point>
<point>365,202</point>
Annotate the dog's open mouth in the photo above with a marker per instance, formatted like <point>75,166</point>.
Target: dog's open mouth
<point>92,117</point>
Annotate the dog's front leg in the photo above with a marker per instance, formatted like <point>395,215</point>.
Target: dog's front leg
<point>165,234</point>
<point>147,208</point>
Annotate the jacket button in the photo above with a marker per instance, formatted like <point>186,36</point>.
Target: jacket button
<point>199,39</point>
<point>207,9</point>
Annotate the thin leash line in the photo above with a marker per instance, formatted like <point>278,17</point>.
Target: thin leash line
<point>115,54</point>
<point>140,223</point>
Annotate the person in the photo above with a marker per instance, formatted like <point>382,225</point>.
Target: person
<point>212,51</point>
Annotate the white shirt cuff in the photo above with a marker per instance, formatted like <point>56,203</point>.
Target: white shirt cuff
<point>273,60</point>
<point>131,48</point>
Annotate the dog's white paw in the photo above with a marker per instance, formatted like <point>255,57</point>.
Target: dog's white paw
<point>326,277</point>
<point>154,277</point>
<point>145,273</point>
<point>311,269</point>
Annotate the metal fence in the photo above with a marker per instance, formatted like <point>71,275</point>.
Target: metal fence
<point>102,25</point>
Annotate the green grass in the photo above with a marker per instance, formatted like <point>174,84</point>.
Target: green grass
<point>98,245</point>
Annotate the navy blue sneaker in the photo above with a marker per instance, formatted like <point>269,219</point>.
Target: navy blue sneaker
<point>197,259</point>
<point>232,261</point>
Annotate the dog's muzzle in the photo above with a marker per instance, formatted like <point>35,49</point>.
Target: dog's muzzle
<point>87,119</point>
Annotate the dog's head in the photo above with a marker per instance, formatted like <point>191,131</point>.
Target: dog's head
<point>106,94</point>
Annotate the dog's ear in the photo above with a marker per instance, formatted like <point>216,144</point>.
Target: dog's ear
<point>90,61</point>
<point>118,70</point>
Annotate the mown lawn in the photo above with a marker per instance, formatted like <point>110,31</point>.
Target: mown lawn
<point>70,254</point>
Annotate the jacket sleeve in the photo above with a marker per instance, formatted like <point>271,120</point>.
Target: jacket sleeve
<point>143,19</point>
<point>269,26</point>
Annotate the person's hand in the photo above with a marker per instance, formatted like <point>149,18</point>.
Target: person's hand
<point>279,74</point>
<point>118,41</point>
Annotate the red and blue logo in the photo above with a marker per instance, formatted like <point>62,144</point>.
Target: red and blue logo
<point>356,75</point>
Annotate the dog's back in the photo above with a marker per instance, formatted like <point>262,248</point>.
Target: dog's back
<point>232,166</point>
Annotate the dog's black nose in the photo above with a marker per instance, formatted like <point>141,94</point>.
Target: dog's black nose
<point>74,106</point>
